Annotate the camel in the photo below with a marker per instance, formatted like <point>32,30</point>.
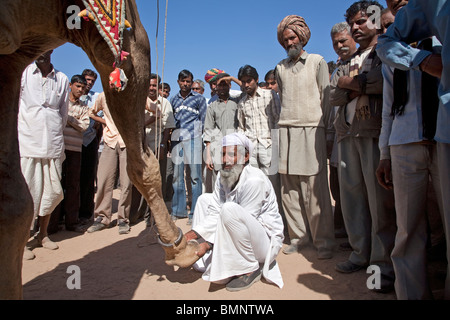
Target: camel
<point>29,28</point>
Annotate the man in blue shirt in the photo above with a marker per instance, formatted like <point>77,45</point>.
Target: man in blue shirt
<point>419,20</point>
<point>189,110</point>
<point>408,151</point>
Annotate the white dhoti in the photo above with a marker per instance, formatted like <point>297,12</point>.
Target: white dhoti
<point>241,245</point>
<point>43,177</point>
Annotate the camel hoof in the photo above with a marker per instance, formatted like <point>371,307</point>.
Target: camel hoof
<point>186,257</point>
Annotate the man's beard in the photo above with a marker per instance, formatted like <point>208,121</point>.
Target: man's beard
<point>294,51</point>
<point>228,177</point>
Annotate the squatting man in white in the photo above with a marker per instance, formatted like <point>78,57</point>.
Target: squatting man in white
<point>238,226</point>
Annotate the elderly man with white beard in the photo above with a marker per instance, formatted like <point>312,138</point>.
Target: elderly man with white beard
<point>238,226</point>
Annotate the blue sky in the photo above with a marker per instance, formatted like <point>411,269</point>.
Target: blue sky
<point>205,34</point>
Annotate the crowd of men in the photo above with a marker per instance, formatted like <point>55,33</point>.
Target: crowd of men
<point>251,168</point>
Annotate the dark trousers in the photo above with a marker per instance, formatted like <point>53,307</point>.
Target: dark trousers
<point>68,208</point>
<point>88,174</point>
<point>335,191</point>
<point>168,189</point>
<point>139,206</point>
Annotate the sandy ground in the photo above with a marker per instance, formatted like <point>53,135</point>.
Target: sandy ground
<point>131,267</point>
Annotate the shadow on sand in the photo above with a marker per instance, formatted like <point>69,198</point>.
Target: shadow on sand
<point>113,272</point>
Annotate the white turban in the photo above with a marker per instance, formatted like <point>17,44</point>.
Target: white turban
<point>237,139</point>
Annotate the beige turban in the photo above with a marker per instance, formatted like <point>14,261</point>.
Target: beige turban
<point>296,24</point>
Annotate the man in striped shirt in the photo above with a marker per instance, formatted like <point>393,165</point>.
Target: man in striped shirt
<point>189,109</point>
<point>258,114</point>
<point>77,124</point>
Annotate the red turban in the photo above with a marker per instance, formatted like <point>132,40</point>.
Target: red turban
<point>212,74</point>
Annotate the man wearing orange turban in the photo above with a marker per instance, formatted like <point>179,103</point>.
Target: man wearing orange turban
<point>211,74</point>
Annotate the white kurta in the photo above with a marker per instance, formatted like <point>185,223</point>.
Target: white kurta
<point>245,227</point>
<point>166,122</point>
<point>43,112</point>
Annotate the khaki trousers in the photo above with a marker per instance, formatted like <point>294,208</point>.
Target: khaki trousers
<point>367,208</point>
<point>412,166</point>
<point>307,207</point>
<point>106,176</point>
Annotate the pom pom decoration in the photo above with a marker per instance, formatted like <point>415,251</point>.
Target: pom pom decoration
<point>118,80</point>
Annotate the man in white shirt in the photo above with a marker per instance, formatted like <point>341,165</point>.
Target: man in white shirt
<point>159,121</point>
<point>258,113</point>
<point>239,227</point>
<point>43,112</point>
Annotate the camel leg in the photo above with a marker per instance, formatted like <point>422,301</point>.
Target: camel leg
<point>183,253</point>
<point>143,170</point>
<point>127,110</point>
<point>16,205</point>
<point>142,165</point>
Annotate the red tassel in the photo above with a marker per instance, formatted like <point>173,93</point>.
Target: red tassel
<point>118,80</point>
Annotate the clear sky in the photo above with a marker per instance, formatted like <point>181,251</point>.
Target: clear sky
<point>205,34</point>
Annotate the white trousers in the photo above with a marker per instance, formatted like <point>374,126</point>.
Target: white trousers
<point>43,177</point>
<point>240,245</point>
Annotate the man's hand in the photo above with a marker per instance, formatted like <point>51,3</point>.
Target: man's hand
<point>97,126</point>
<point>229,79</point>
<point>202,249</point>
<point>353,94</point>
<point>191,235</point>
<point>330,144</point>
<point>209,162</point>
<point>384,175</point>
<point>432,65</point>
<point>349,83</point>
